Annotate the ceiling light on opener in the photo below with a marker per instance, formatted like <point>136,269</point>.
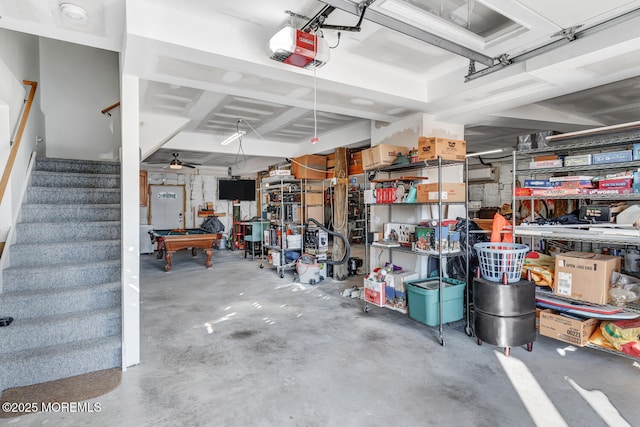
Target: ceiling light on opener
<point>233,137</point>
<point>73,11</point>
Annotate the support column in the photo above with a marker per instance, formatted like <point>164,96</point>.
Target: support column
<point>130,228</point>
<point>340,212</point>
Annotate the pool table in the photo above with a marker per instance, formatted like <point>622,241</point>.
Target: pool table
<point>170,241</point>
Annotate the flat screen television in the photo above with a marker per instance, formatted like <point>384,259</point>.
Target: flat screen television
<point>237,189</point>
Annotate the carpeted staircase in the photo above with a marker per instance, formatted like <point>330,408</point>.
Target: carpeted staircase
<point>62,284</point>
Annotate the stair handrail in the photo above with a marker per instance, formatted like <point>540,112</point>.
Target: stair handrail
<point>15,144</point>
<point>109,108</point>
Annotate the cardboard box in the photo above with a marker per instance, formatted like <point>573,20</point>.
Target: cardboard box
<point>356,169</point>
<point>580,160</point>
<point>448,149</point>
<point>636,151</point>
<point>280,172</point>
<point>313,198</point>
<point>538,183</point>
<point>315,212</point>
<point>587,183</point>
<point>584,276</point>
<point>450,192</point>
<point>311,166</point>
<point>546,164</point>
<point>397,282</point>
<point>402,233</point>
<point>613,157</point>
<point>424,238</point>
<point>374,292</point>
<point>381,155</point>
<point>568,329</point>
<point>624,183</point>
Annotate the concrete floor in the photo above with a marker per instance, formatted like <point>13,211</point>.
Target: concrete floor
<point>238,346</point>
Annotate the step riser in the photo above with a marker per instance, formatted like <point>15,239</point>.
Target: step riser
<point>24,279</point>
<point>61,180</point>
<point>63,283</point>
<point>77,166</point>
<point>60,363</point>
<point>72,195</point>
<point>20,336</point>
<point>48,233</point>
<point>66,213</point>
<point>41,255</point>
<point>23,307</point>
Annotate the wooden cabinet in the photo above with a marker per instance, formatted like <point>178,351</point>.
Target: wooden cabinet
<point>144,189</point>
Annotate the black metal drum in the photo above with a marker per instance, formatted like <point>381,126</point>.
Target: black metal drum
<point>505,314</point>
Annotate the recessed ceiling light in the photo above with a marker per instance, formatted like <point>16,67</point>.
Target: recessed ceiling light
<point>73,11</point>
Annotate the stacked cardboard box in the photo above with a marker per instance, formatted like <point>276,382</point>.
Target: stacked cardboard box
<point>585,276</point>
<point>381,155</point>
<point>355,162</point>
<point>331,164</point>
<point>449,149</point>
<point>311,166</point>
<point>572,330</point>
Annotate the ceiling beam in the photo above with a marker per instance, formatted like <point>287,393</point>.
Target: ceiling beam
<point>409,30</point>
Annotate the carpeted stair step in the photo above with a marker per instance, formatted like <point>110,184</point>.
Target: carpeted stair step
<point>62,213</point>
<point>60,361</point>
<point>60,276</point>
<point>57,301</point>
<point>24,334</point>
<point>34,254</point>
<point>62,195</point>
<point>63,283</point>
<point>77,166</point>
<point>52,232</point>
<point>74,180</point>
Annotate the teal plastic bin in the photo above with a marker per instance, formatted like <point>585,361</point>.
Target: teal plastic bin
<point>423,300</point>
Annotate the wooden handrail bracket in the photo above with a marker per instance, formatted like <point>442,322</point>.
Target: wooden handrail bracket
<point>110,107</point>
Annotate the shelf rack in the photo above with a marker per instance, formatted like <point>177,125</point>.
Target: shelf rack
<point>439,163</point>
<point>610,137</point>
<point>299,190</point>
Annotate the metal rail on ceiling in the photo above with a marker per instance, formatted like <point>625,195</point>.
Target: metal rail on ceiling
<point>401,27</point>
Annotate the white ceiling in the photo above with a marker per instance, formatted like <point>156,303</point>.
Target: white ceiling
<point>204,61</point>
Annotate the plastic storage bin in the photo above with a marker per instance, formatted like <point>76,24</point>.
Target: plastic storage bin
<point>423,298</point>
<point>497,259</point>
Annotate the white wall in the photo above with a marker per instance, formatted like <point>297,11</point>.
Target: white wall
<point>495,194</point>
<point>200,189</point>
<point>18,62</point>
<point>77,83</point>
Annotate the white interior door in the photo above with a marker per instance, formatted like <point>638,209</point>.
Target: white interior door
<point>167,206</point>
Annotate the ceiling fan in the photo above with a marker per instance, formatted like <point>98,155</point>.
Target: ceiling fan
<point>175,163</point>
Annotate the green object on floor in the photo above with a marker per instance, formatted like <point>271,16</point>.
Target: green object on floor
<point>423,300</point>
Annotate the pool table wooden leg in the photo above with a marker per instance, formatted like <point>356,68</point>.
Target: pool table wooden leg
<point>167,257</point>
<point>209,253</point>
